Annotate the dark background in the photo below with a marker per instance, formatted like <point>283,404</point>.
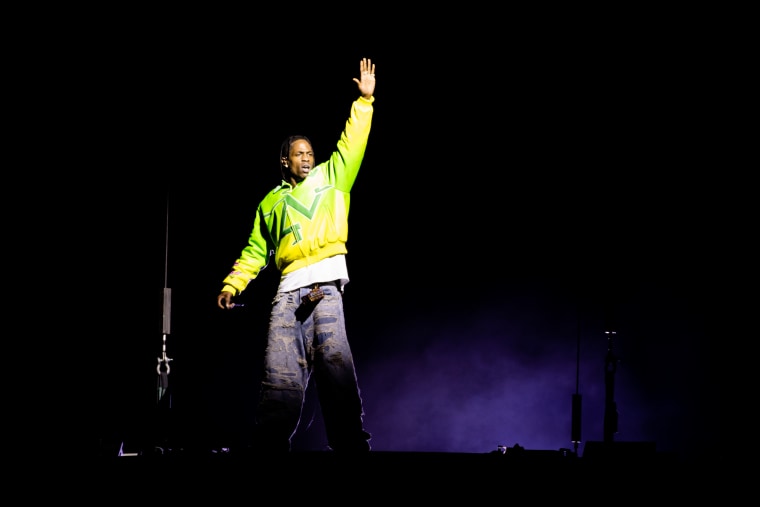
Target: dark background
<point>523,191</point>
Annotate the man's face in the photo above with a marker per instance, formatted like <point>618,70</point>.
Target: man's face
<point>300,160</point>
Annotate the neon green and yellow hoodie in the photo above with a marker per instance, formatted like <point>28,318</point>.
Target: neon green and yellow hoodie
<point>307,223</point>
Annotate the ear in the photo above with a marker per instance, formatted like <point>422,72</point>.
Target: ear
<point>285,161</point>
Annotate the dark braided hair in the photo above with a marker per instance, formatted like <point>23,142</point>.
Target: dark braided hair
<point>285,152</point>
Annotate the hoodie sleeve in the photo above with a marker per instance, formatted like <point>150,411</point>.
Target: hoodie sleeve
<point>253,258</point>
<point>344,163</point>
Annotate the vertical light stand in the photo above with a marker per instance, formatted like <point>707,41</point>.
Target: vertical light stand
<point>163,392</point>
<point>575,426</point>
<point>610,407</point>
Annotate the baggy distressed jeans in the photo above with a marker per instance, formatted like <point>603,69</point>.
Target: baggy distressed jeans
<point>309,338</point>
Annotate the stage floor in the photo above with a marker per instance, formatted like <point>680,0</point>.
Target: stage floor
<point>612,474</point>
